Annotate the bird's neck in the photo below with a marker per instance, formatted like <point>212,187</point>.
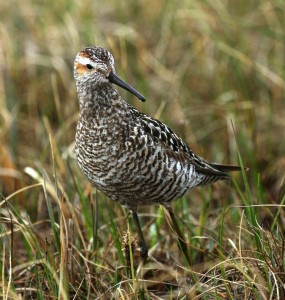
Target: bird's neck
<point>96,97</point>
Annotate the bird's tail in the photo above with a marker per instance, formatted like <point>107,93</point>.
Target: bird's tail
<point>227,168</point>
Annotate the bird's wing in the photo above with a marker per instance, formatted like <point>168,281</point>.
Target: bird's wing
<point>179,150</point>
<point>226,168</point>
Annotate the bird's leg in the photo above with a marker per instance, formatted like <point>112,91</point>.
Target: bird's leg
<point>181,240</point>
<point>144,250</point>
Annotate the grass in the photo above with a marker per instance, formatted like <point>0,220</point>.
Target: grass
<point>214,72</point>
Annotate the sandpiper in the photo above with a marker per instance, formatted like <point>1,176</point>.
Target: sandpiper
<point>133,158</point>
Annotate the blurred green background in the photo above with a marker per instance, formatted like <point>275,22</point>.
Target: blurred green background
<point>200,64</point>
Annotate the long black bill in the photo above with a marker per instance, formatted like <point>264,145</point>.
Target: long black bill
<point>118,81</point>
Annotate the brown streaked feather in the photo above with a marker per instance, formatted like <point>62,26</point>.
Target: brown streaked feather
<point>227,168</point>
<point>180,151</point>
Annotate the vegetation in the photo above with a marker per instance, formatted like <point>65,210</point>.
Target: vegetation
<point>214,72</point>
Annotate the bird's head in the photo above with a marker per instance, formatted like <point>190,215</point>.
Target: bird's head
<point>96,64</point>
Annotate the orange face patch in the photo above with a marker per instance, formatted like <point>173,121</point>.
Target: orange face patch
<point>80,68</point>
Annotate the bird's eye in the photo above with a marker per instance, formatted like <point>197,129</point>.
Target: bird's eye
<point>89,67</point>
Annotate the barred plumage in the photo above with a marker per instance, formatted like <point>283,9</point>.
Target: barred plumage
<point>133,158</point>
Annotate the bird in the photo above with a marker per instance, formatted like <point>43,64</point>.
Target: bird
<point>132,158</point>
